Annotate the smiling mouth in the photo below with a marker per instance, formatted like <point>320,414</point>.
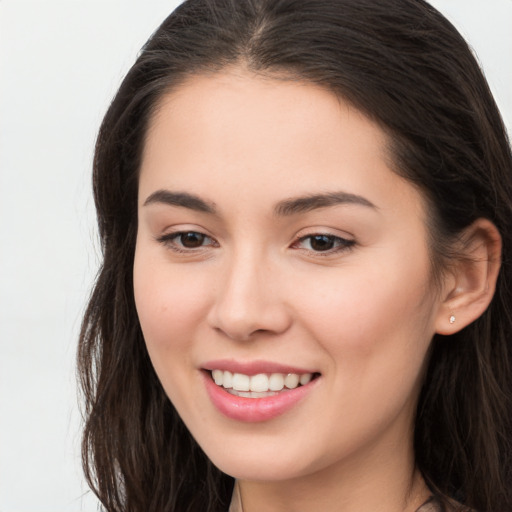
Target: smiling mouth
<point>260,385</point>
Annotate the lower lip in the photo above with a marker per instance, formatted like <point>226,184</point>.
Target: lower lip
<point>253,410</point>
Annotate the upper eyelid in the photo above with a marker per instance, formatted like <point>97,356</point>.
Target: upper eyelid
<point>171,231</point>
<point>175,234</point>
<point>325,232</point>
<point>342,235</point>
<point>329,235</point>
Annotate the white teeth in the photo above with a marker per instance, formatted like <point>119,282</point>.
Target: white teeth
<point>304,379</point>
<point>276,382</point>
<point>227,380</point>
<point>291,381</point>
<point>260,383</point>
<point>241,382</point>
<point>217,377</point>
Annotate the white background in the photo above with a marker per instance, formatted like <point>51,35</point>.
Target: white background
<point>60,64</point>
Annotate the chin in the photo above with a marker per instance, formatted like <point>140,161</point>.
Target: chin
<point>268,463</point>
<point>257,470</point>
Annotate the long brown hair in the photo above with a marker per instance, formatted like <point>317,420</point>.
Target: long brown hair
<point>405,66</point>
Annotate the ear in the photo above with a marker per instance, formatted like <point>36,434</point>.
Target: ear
<point>470,282</point>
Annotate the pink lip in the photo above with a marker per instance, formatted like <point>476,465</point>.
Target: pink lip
<point>252,410</point>
<point>253,367</point>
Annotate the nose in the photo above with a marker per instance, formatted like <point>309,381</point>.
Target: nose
<point>248,300</point>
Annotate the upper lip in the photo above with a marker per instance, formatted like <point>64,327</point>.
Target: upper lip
<point>253,367</point>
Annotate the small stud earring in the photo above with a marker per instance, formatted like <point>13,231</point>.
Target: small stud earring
<point>452,319</point>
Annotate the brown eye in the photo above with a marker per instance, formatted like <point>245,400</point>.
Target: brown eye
<point>187,241</point>
<point>191,239</point>
<point>321,242</point>
<point>324,243</point>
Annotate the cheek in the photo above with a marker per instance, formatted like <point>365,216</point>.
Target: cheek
<point>371,319</point>
<point>170,303</point>
<point>170,307</point>
<point>375,332</point>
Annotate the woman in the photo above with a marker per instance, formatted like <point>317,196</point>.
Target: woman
<point>304,208</point>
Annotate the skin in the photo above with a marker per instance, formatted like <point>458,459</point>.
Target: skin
<point>362,316</point>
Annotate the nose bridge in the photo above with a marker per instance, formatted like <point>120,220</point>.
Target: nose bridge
<point>247,299</point>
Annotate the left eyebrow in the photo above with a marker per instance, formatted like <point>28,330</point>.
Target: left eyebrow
<point>307,203</point>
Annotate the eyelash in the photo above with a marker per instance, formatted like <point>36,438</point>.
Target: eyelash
<point>169,240</point>
<point>340,244</point>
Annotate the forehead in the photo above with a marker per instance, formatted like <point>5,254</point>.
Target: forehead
<point>258,134</point>
<point>237,98</point>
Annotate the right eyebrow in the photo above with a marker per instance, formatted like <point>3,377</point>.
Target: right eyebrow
<point>183,199</point>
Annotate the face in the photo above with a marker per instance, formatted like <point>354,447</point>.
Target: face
<point>280,256</point>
